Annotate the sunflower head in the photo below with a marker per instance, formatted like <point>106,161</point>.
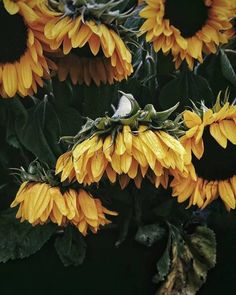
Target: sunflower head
<point>210,143</point>
<point>42,198</point>
<point>85,40</point>
<point>132,144</point>
<point>187,29</point>
<point>104,11</point>
<point>22,63</point>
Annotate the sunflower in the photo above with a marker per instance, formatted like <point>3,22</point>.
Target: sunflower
<point>91,213</point>
<point>43,198</point>
<point>40,203</point>
<point>210,144</point>
<point>187,28</point>
<point>86,45</point>
<point>124,149</point>
<point>22,63</point>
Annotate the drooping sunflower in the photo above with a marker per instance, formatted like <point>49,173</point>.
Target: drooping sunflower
<point>85,40</point>
<point>210,143</point>
<point>127,146</point>
<point>22,62</point>
<point>43,200</point>
<point>186,28</point>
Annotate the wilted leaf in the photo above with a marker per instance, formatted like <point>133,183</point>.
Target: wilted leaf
<point>192,256</point>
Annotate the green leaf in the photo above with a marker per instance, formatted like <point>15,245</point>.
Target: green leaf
<point>227,68</point>
<point>211,69</point>
<point>40,132</point>
<point>98,100</point>
<point>186,87</point>
<point>192,256</point>
<point>143,94</point>
<point>124,220</point>
<point>164,263</point>
<point>149,234</point>
<point>71,247</point>
<point>20,240</point>
<point>70,120</point>
<point>63,92</point>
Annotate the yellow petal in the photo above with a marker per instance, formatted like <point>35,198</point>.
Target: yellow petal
<point>227,194</point>
<point>218,135</point>
<point>228,128</point>
<point>120,146</point>
<point>191,119</point>
<point>9,79</point>
<point>11,6</point>
<point>88,205</point>
<point>127,136</point>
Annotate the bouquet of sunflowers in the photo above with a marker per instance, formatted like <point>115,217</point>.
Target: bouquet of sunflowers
<point>118,116</point>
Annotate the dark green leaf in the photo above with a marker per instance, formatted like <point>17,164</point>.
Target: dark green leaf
<point>20,240</point>
<point>163,264</point>
<point>227,68</point>
<point>150,234</point>
<point>124,220</point>
<point>211,69</point>
<point>186,87</point>
<point>96,101</point>
<point>40,132</point>
<point>71,247</point>
<point>143,94</point>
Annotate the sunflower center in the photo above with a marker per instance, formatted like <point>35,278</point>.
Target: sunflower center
<point>216,163</point>
<point>13,35</point>
<point>189,16</point>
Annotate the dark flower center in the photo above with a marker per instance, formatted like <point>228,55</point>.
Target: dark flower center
<point>189,16</point>
<point>13,36</point>
<point>216,163</point>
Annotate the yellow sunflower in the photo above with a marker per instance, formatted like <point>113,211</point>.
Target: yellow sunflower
<point>123,152</point>
<point>186,28</point>
<point>210,144</point>
<point>91,213</point>
<point>40,203</point>
<point>86,49</point>
<point>22,62</point>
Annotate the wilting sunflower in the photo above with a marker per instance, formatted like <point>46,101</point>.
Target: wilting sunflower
<point>127,146</point>
<point>90,213</point>
<point>210,142</point>
<point>22,63</point>
<point>186,28</point>
<point>86,42</point>
<point>41,200</point>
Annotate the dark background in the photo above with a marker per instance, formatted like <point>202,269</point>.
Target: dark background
<point>108,270</point>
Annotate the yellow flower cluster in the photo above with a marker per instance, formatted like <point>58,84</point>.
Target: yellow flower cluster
<point>128,156</point>
<point>104,57</point>
<point>165,36</point>
<point>40,203</point>
<point>200,190</point>
<point>23,70</point>
<point>44,40</point>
